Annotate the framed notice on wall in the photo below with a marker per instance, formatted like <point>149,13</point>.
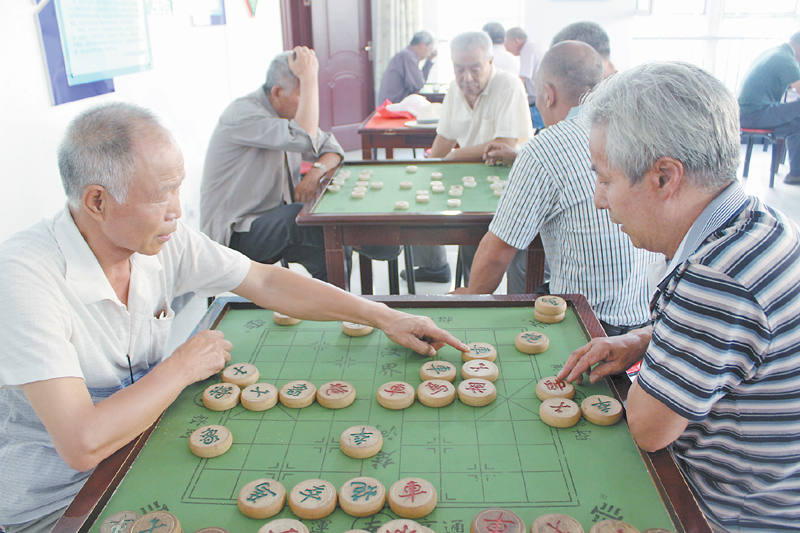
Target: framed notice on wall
<point>62,91</point>
<point>101,40</point>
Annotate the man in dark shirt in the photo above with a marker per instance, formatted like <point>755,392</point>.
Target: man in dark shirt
<point>403,75</point>
<point>772,73</point>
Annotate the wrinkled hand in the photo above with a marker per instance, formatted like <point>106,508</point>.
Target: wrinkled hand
<point>433,54</point>
<point>204,354</point>
<point>307,186</point>
<point>304,64</point>
<point>410,330</point>
<point>612,355</point>
<point>497,153</point>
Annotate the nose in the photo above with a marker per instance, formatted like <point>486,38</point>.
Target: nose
<point>174,208</point>
<point>600,200</point>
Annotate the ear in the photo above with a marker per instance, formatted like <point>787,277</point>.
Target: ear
<point>550,96</point>
<point>667,176</point>
<point>276,92</point>
<point>95,202</point>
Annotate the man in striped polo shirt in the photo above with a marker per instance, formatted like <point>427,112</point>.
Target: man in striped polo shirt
<point>720,375</point>
<point>550,191</point>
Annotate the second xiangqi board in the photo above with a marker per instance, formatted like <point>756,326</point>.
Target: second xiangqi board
<point>480,199</point>
<point>501,455</point>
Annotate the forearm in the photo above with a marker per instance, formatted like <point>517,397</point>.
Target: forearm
<point>441,146</point>
<point>299,296</point>
<point>476,152</point>
<point>85,433</point>
<point>308,109</point>
<point>489,265</point>
<point>330,159</point>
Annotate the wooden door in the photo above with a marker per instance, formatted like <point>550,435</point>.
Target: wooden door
<point>340,31</point>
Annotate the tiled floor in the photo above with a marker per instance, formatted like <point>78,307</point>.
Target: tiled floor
<point>785,198</point>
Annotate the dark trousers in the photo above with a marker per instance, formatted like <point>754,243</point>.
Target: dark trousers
<point>275,235</point>
<point>785,120</point>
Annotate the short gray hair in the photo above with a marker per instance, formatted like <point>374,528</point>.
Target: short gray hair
<point>587,32</point>
<point>496,31</point>
<point>279,73</point>
<point>99,148</point>
<point>468,41</point>
<point>516,33</point>
<point>668,109</point>
<point>423,36</point>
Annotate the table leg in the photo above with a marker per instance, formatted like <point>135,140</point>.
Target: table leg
<point>389,153</point>
<point>365,268</point>
<point>409,256</point>
<point>366,147</point>
<point>334,257</point>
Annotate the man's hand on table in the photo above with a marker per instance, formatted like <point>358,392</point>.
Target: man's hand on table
<point>497,153</point>
<point>612,355</point>
<point>203,355</point>
<point>419,333</point>
<point>307,186</point>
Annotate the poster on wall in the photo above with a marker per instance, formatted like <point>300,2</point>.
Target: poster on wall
<point>61,91</point>
<point>101,40</point>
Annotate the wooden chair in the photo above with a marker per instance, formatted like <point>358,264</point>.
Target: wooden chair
<point>768,138</point>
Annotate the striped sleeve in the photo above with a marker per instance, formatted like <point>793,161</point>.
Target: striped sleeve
<point>705,344</point>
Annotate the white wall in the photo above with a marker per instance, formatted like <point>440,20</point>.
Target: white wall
<point>197,72</point>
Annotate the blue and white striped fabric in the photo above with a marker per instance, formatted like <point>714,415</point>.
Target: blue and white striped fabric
<point>550,191</point>
<point>725,354</point>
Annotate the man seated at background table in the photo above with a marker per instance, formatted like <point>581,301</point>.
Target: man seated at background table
<point>403,76</point>
<point>502,59</point>
<point>481,105</point>
<point>86,311</point>
<point>771,74</point>
<point>252,190</point>
<point>592,34</point>
<point>550,191</point>
<point>530,54</point>
<point>719,378</point>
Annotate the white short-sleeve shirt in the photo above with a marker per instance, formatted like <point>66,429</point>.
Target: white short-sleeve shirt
<point>501,110</point>
<point>61,318</point>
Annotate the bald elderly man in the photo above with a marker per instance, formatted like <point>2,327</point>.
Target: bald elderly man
<point>550,192</point>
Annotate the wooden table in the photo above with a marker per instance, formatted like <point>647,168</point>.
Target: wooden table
<point>377,132</point>
<point>434,92</point>
<point>374,220</point>
<point>608,457</point>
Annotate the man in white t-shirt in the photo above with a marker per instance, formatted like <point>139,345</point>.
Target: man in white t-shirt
<point>482,105</point>
<point>502,59</point>
<point>86,312</point>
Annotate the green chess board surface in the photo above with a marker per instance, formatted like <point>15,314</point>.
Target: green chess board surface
<point>480,199</point>
<point>501,455</point>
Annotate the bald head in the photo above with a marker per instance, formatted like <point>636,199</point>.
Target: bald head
<point>572,68</point>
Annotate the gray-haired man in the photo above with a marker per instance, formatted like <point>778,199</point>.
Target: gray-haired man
<point>403,75</point>
<point>482,105</point>
<point>719,377</point>
<point>252,189</point>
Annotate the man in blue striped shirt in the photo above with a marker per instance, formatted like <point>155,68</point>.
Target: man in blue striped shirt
<point>550,191</point>
<point>720,375</point>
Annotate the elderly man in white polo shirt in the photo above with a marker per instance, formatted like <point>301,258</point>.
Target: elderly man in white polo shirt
<point>86,312</point>
<point>482,105</point>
